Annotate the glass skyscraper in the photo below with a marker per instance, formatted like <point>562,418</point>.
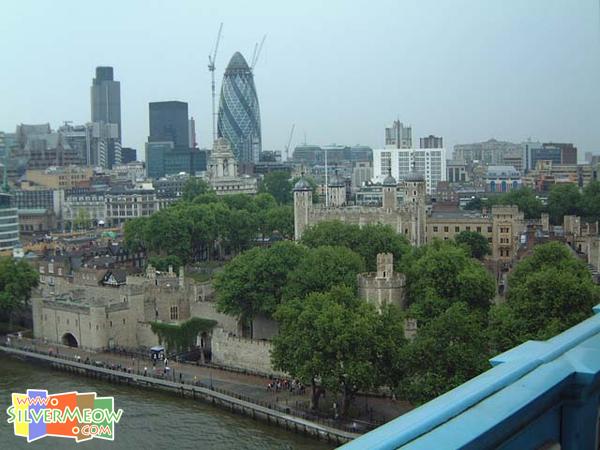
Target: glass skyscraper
<point>169,122</point>
<point>239,114</point>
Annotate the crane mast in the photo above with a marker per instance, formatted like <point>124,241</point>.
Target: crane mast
<point>211,68</point>
<point>287,147</point>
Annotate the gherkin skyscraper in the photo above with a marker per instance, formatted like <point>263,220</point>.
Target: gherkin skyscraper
<point>239,114</point>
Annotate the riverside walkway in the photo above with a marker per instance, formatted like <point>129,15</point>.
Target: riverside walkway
<point>251,387</point>
<point>185,389</point>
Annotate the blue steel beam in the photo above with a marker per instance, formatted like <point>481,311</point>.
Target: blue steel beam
<point>536,393</point>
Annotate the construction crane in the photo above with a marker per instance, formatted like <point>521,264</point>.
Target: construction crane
<point>287,147</point>
<point>256,54</point>
<point>211,68</point>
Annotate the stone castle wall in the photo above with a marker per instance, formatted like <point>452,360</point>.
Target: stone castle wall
<point>383,291</point>
<point>248,354</point>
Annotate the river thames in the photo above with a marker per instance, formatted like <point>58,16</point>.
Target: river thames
<point>151,420</point>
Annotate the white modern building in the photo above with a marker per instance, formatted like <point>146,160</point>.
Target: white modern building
<point>431,162</point>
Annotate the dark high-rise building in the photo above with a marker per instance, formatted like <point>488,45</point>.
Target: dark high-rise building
<point>168,149</point>
<point>128,155</point>
<point>431,141</point>
<point>169,123</point>
<point>105,149</point>
<point>163,158</point>
<point>239,113</point>
<point>568,152</point>
<point>106,98</point>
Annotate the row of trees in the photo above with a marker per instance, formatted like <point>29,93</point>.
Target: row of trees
<point>563,199</point>
<point>17,279</point>
<point>204,226</point>
<point>332,340</point>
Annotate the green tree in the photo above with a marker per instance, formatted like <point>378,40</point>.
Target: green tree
<point>328,340</point>
<point>590,201</point>
<point>17,279</point>
<point>135,234</point>
<point>82,220</point>
<point>279,185</point>
<point>281,219</point>
<point>446,352</point>
<point>564,199</point>
<point>194,187</point>
<point>321,269</point>
<point>476,244</point>
<point>390,346</point>
<point>367,241</point>
<point>525,198</point>
<point>162,263</point>
<point>549,292</point>
<point>475,204</point>
<point>253,282</point>
<point>379,238</point>
<point>441,274</point>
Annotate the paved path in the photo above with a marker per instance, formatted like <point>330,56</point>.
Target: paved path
<point>253,387</point>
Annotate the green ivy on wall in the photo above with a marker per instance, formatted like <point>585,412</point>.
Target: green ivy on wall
<point>181,337</point>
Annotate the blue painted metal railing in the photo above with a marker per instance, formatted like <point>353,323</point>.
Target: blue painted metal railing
<point>537,395</point>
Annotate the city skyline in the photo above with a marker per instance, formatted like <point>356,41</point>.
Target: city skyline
<point>527,76</point>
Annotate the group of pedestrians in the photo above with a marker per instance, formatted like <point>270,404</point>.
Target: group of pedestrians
<point>283,384</point>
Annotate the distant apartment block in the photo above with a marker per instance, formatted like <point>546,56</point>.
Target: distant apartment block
<point>431,163</point>
<point>431,141</point>
<point>490,152</point>
<point>398,135</point>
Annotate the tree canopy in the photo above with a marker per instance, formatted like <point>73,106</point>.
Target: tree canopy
<point>253,282</point>
<point>323,268</point>
<point>548,292</point>
<point>279,185</point>
<point>446,352</point>
<point>194,187</point>
<point>442,273</point>
<point>367,241</point>
<point>331,340</point>
<point>475,243</point>
<point>564,199</point>
<point>525,198</point>
<point>17,279</point>
<point>209,227</point>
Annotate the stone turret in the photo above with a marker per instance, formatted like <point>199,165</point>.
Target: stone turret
<point>385,286</point>
<point>389,193</point>
<point>302,205</point>
<point>415,196</point>
<point>336,191</point>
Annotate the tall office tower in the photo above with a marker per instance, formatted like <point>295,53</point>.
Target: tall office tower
<point>192,133</point>
<point>239,113</point>
<point>398,136</point>
<point>106,119</point>
<point>169,123</point>
<point>106,98</point>
<point>431,141</point>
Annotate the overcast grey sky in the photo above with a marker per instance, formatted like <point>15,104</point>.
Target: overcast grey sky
<point>340,70</point>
